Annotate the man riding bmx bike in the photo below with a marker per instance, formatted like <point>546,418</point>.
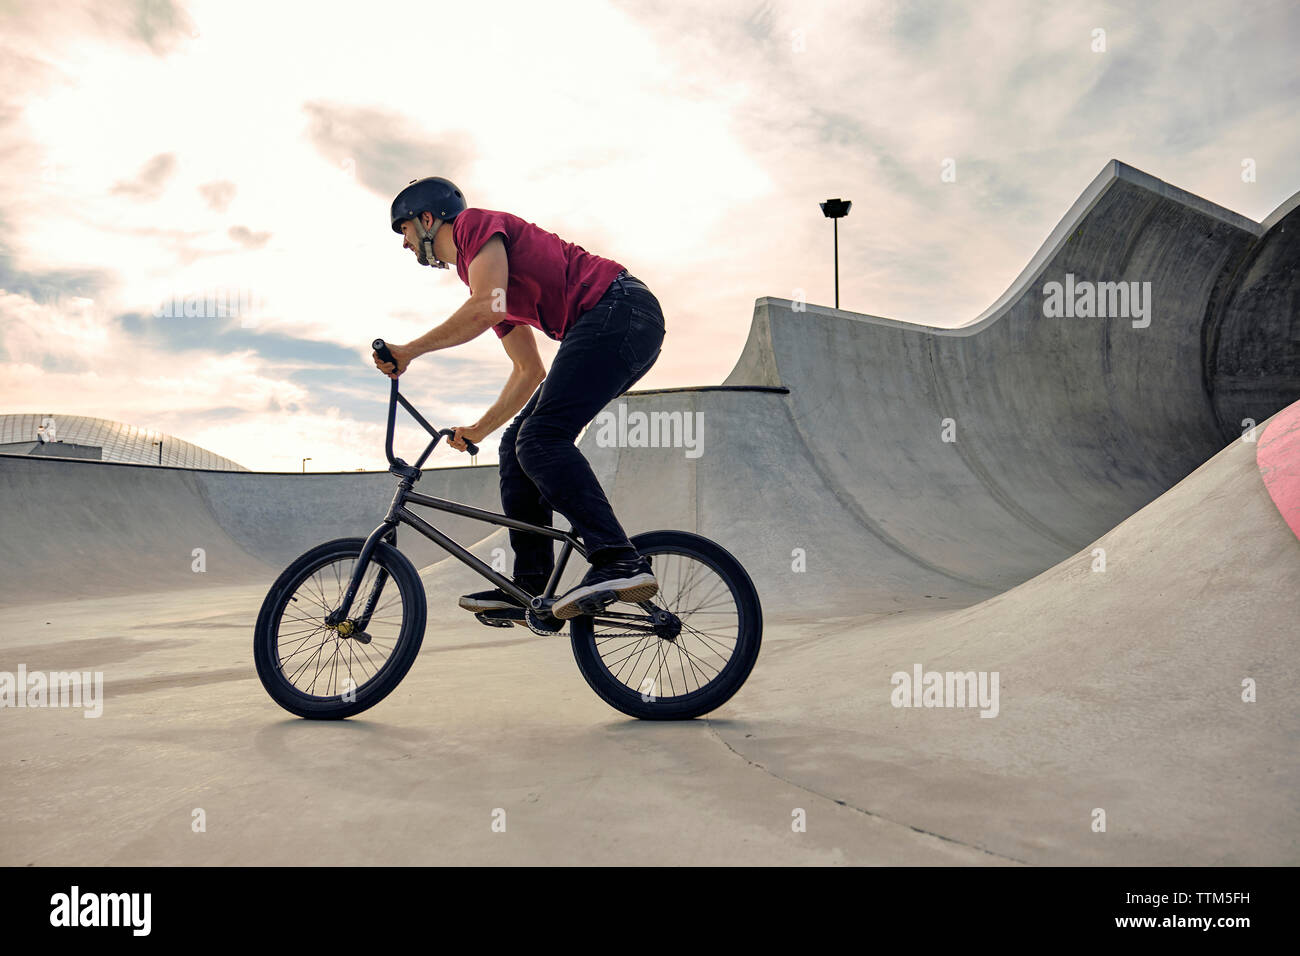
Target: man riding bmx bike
<point>610,328</point>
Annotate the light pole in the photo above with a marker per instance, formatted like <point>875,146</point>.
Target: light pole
<point>159,444</point>
<point>304,465</point>
<point>835,210</point>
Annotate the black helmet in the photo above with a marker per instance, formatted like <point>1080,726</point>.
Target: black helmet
<point>434,195</point>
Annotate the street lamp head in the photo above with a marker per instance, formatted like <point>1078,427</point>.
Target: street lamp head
<point>836,208</point>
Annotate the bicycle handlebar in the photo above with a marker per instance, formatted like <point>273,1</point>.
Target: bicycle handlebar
<point>394,399</point>
<point>381,348</point>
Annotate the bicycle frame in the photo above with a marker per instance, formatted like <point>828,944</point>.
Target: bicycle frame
<point>399,513</point>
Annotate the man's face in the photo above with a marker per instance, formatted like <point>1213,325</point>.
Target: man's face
<point>410,239</point>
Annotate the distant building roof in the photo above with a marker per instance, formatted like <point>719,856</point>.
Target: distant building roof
<point>118,441</point>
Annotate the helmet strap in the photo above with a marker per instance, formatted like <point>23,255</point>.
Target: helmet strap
<point>427,257</point>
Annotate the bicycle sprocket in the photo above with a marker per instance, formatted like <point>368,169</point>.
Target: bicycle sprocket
<point>538,626</point>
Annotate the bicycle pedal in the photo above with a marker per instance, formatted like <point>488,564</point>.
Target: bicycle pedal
<point>493,621</point>
<point>595,603</point>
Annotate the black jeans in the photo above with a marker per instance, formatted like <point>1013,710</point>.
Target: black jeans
<point>603,354</point>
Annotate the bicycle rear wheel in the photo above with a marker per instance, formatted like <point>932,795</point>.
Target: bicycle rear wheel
<point>675,671</point>
<point>326,672</point>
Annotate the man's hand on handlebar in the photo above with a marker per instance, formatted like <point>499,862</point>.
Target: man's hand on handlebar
<point>402,353</point>
<point>466,433</point>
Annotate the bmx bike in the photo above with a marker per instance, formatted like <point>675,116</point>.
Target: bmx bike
<point>343,623</point>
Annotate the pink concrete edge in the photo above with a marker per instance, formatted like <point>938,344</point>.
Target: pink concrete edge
<point>1278,457</point>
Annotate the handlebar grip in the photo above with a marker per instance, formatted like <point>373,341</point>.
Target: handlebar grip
<point>470,447</point>
<point>381,349</point>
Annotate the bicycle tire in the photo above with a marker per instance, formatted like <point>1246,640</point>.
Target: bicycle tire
<point>730,678</point>
<point>266,649</point>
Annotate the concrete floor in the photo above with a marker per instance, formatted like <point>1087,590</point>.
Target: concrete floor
<point>482,722</point>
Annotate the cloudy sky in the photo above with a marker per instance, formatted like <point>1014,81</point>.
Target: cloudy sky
<point>157,150</point>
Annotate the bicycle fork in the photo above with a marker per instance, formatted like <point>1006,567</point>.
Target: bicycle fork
<point>338,618</point>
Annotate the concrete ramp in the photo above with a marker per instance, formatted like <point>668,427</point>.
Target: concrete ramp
<point>902,465</point>
<point>1156,686</point>
<point>852,462</point>
<point>77,529</point>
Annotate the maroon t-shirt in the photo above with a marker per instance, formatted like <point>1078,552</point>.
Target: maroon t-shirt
<point>552,282</point>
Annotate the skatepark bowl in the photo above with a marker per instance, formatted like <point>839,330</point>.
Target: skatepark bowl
<point>1030,588</point>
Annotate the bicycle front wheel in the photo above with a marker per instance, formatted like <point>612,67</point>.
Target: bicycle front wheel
<point>325,672</point>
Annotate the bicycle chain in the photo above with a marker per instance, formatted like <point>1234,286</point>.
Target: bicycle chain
<point>528,620</point>
<point>603,635</point>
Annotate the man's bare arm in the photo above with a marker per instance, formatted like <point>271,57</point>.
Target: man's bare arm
<point>527,373</point>
<point>468,322</point>
<point>489,274</point>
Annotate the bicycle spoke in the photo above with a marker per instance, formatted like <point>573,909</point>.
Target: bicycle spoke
<point>319,660</point>
<point>702,601</point>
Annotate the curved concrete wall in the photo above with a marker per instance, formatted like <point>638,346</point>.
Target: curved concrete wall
<point>76,529</point>
<point>1059,428</point>
<point>1252,326</point>
<point>877,465</point>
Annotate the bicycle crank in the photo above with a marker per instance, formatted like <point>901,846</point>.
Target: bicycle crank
<point>539,618</point>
